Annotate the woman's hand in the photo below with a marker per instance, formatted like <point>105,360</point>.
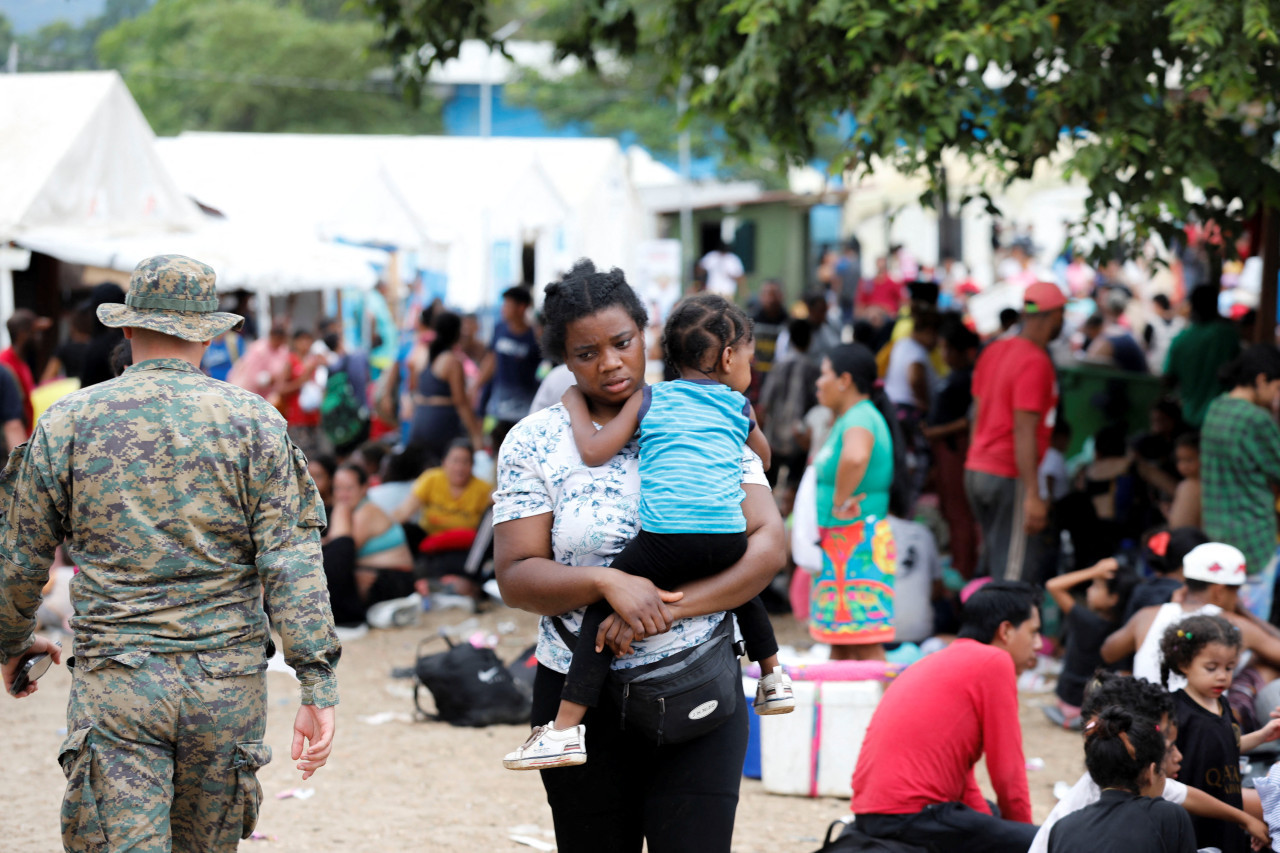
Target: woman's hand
<point>639,603</point>
<point>849,509</point>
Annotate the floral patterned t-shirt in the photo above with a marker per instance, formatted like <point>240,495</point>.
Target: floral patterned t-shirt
<point>597,511</point>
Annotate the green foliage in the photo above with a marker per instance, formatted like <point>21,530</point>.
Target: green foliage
<point>247,65</point>
<point>1138,97</point>
<point>6,36</point>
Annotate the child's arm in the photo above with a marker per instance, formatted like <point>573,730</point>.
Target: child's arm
<point>598,446</point>
<point>933,433</point>
<point>1060,587</point>
<point>1202,804</point>
<point>1266,734</point>
<point>756,440</point>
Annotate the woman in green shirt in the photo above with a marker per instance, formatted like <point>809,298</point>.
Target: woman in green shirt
<point>851,603</point>
<point>1240,465</point>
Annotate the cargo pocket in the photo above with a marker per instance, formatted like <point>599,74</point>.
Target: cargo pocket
<point>249,757</point>
<point>82,828</point>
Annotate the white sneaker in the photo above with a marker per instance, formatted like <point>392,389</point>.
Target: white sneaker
<point>549,747</point>
<point>774,694</point>
<point>395,613</point>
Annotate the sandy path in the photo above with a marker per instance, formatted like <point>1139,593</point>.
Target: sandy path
<point>421,786</point>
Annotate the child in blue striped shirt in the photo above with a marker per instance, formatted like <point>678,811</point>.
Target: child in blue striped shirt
<point>692,431</point>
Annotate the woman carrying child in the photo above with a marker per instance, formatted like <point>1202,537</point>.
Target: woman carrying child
<point>692,432</point>
<point>1124,754</point>
<point>851,603</point>
<point>1205,650</point>
<point>558,524</point>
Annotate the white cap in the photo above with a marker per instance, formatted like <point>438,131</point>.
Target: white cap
<point>1214,562</point>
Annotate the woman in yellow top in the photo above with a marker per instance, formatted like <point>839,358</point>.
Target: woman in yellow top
<point>447,503</point>
<point>449,497</point>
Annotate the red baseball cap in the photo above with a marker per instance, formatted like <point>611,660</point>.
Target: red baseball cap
<point>1042,297</point>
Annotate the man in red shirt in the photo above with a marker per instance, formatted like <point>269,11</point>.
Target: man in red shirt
<point>24,329</point>
<point>884,290</point>
<point>1015,401</point>
<point>914,780</point>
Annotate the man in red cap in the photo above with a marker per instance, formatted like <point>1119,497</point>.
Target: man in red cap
<point>1015,400</point>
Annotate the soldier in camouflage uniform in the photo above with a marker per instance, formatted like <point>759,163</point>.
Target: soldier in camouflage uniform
<point>183,502</point>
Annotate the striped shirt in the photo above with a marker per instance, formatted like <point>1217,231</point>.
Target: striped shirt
<point>691,438</point>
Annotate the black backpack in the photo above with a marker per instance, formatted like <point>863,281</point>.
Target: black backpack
<point>471,687</point>
<point>843,837</point>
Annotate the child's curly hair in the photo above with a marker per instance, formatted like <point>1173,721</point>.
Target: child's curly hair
<point>1182,641</point>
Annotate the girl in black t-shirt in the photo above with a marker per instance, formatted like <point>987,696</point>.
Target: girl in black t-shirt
<point>1205,649</point>
<point>1124,754</point>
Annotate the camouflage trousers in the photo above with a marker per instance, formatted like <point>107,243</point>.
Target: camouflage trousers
<point>161,756</point>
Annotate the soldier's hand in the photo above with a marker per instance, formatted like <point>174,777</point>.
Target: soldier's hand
<point>312,738</point>
<point>9,671</point>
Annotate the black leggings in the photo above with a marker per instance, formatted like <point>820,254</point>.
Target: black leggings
<point>667,559</point>
<point>681,798</point>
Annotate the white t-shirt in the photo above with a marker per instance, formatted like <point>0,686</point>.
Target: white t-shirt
<point>1053,465</point>
<point>918,568</point>
<point>596,513</point>
<point>897,378</point>
<point>1086,792</point>
<point>723,271</point>
<point>552,388</point>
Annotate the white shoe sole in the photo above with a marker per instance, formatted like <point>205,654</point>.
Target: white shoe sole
<point>780,706</point>
<point>546,762</point>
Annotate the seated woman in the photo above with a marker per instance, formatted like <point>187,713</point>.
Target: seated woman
<point>383,563</point>
<point>447,503</point>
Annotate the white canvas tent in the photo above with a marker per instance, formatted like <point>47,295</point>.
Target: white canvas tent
<point>80,179</point>
<point>472,204</point>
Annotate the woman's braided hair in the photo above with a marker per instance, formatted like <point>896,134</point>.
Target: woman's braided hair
<point>700,326</point>
<point>1119,746</point>
<point>1182,641</point>
<point>582,292</point>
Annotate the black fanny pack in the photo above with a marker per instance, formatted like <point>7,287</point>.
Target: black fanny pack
<point>680,697</point>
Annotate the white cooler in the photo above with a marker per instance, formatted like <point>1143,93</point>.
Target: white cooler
<point>811,752</point>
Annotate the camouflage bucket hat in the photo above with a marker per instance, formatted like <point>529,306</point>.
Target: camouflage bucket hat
<point>174,295</point>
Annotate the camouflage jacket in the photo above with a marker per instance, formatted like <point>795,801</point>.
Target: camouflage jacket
<point>181,500</point>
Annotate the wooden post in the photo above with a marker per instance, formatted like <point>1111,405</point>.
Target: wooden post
<point>1265,330</point>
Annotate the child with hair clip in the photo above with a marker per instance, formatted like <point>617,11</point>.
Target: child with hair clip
<point>1204,650</point>
<point>1144,699</point>
<point>1124,754</point>
<point>692,432</point>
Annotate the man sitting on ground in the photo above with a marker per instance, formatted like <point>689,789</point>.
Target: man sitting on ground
<point>914,782</point>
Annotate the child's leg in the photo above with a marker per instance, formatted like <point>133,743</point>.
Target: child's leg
<point>757,633</point>
<point>589,668</point>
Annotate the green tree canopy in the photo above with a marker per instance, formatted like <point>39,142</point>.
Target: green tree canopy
<point>248,65</point>
<point>1140,98</point>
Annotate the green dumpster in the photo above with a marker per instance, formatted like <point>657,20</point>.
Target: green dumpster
<point>1094,397</point>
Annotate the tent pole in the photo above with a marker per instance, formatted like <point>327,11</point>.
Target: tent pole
<point>10,259</point>
<point>1266,321</point>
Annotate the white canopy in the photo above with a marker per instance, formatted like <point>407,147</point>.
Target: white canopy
<point>474,202</point>
<point>76,152</point>
<point>81,180</point>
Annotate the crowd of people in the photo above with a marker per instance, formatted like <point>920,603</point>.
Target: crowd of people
<point>940,510</point>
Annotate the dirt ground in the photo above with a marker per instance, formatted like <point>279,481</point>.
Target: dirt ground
<point>403,785</point>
